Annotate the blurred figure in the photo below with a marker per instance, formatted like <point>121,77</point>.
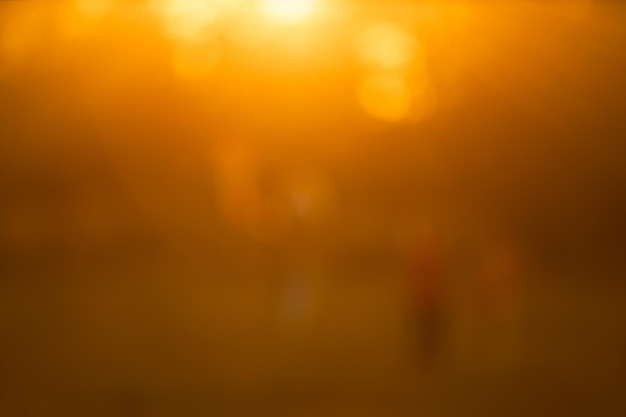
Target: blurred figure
<point>309,197</point>
<point>427,274</point>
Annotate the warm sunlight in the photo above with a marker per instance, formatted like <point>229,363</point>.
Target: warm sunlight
<point>392,63</point>
<point>311,208</point>
<point>186,19</point>
<point>288,11</point>
<point>94,8</point>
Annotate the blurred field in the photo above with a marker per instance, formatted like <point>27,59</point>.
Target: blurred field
<point>132,343</point>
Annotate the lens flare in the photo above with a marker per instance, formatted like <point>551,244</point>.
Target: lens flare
<point>288,11</point>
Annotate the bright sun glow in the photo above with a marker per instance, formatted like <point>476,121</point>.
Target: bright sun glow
<point>186,19</point>
<point>288,11</point>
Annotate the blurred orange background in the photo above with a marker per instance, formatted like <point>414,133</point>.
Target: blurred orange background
<point>312,207</point>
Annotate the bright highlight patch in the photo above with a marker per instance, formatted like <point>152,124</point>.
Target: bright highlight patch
<point>288,11</point>
<point>186,19</point>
